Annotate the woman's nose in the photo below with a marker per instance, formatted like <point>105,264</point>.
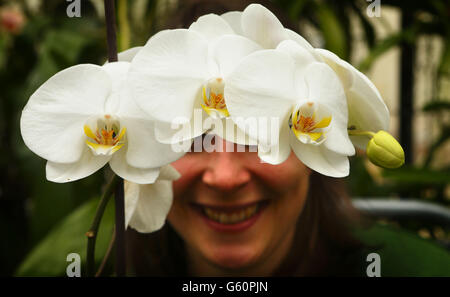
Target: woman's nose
<point>226,171</point>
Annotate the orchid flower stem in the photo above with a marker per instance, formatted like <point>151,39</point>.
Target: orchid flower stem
<point>92,233</point>
<point>110,17</point>
<point>107,255</point>
<point>120,229</point>
<point>361,133</point>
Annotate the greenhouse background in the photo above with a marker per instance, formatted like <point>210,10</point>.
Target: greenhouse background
<point>403,46</point>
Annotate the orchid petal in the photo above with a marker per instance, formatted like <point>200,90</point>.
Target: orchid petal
<point>211,26</point>
<point>325,88</point>
<point>226,129</point>
<point>302,58</point>
<point>146,206</point>
<point>131,195</point>
<point>261,87</point>
<point>367,110</point>
<point>229,50</point>
<point>262,26</point>
<point>339,66</point>
<point>129,54</point>
<point>153,205</point>
<point>144,150</point>
<point>134,174</point>
<point>320,159</point>
<point>168,172</point>
<point>279,153</point>
<point>117,71</point>
<point>87,165</point>
<point>180,133</point>
<point>233,18</point>
<point>53,119</point>
<point>166,76</point>
<point>298,39</point>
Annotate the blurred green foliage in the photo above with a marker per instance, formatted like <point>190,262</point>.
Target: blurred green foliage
<point>431,18</point>
<point>30,205</point>
<point>332,20</point>
<point>34,213</point>
<point>49,256</point>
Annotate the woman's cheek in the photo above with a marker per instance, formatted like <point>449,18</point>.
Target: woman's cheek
<point>190,168</point>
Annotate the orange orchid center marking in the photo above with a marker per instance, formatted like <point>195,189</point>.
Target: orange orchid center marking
<point>107,137</point>
<point>213,98</point>
<point>307,125</point>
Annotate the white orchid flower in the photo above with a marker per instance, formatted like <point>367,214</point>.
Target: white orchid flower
<point>147,206</point>
<point>367,111</point>
<point>307,99</point>
<point>129,54</point>
<point>366,108</point>
<point>260,25</point>
<point>179,73</point>
<point>83,117</point>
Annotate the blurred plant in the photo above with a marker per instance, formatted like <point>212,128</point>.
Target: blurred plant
<point>40,41</point>
<point>12,19</point>
<point>47,42</point>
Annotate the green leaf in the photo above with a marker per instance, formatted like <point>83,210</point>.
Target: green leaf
<point>67,44</point>
<point>444,136</point>
<point>403,253</point>
<point>444,65</point>
<point>418,176</point>
<point>4,40</point>
<point>436,105</point>
<point>367,26</point>
<point>382,47</point>
<point>296,8</point>
<point>333,32</point>
<point>48,258</point>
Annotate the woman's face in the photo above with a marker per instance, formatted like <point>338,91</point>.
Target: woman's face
<point>236,213</point>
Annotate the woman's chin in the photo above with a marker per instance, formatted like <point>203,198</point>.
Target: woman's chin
<point>233,258</point>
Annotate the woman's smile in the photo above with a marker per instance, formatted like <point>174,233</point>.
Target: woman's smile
<point>230,218</point>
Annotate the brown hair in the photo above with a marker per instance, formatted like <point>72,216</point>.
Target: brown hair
<point>323,243</point>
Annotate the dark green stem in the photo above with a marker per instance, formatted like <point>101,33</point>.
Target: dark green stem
<point>110,18</point>
<point>120,229</point>
<point>361,133</point>
<point>106,257</point>
<point>92,233</point>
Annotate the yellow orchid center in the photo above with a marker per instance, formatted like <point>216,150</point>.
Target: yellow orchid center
<point>213,98</point>
<point>105,138</point>
<point>309,123</point>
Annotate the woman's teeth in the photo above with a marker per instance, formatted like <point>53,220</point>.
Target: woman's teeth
<point>231,218</point>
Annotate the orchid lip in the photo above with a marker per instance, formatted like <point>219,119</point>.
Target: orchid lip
<point>307,125</point>
<point>107,136</point>
<point>213,98</point>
